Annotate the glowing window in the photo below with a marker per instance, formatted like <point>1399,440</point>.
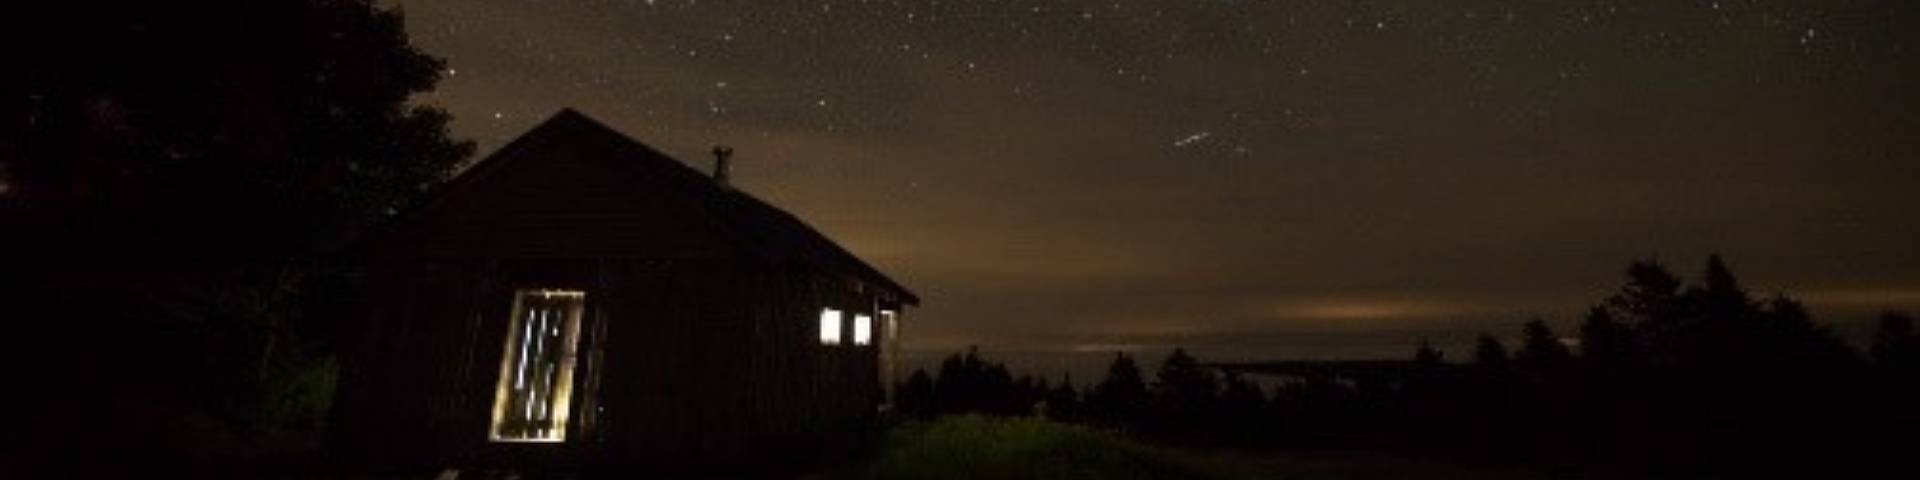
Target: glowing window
<point>829,326</point>
<point>889,325</point>
<point>862,329</point>
<point>534,396</point>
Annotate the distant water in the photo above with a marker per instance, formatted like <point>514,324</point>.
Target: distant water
<point>1088,363</point>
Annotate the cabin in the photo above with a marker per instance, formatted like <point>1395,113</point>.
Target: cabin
<point>578,300</point>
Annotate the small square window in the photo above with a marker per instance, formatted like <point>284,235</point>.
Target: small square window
<point>829,326</point>
<point>862,329</point>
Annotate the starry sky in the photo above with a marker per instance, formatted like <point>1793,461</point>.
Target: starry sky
<point>1256,179</point>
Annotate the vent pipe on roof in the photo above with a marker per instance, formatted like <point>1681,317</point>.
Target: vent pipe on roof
<point>722,167</point>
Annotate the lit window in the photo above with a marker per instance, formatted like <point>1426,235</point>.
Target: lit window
<point>862,330</point>
<point>829,326</point>
<point>534,395</point>
<point>889,325</point>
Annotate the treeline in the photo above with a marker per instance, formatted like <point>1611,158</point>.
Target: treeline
<point>1659,372</point>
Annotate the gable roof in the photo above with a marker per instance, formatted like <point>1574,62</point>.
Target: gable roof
<point>753,226</point>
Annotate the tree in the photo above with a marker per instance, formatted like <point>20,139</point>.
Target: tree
<point>1650,298</point>
<point>968,383</point>
<point>1895,353</point>
<point>1719,279</point>
<point>1720,327</point>
<point>1242,405</point>
<point>1606,342</point>
<point>1540,349</point>
<point>915,397</point>
<point>1489,353</point>
<point>1182,381</point>
<point>227,128</point>
<point>1427,354</point>
<point>182,175</point>
<point>1184,394</point>
<point>952,388</point>
<point>1121,399</point>
<point>1023,395</point>
<point>1894,345</point>
<point>1063,402</point>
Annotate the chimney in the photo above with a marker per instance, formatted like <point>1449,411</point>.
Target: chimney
<point>722,168</point>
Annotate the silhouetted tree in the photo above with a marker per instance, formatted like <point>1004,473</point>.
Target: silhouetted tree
<point>1896,364</point>
<point>969,384</point>
<point>1719,328</point>
<point>182,172</point>
<point>1541,350</point>
<point>1121,399</point>
<point>1605,342</point>
<point>915,397</point>
<point>1023,396</point>
<point>1427,354</point>
<point>1489,353</point>
<point>1895,346</point>
<point>1184,395</point>
<point>1243,407</point>
<point>1650,300</point>
<point>1063,402</point>
<point>262,127</point>
<point>1719,279</point>
<point>953,385</point>
<point>1895,353</point>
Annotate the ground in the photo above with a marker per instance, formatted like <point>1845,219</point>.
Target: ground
<point>967,447</point>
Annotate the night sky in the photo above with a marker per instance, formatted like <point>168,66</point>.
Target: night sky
<point>1257,179</point>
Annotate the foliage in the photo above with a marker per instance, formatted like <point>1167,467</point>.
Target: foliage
<point>1541,349</point>
<point>969,384</point>
<point>1488,352</point>
<point>1121,399</point>
<point>1427,354</point>
<point>1605,342</point>
<point>1185,397</point>
<point>183,178</point>
<point>916,396</point>
<point>1063,403</point>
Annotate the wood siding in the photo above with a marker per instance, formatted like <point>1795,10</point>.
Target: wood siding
<point>705,362</point>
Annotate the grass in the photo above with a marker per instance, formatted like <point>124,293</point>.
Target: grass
<point>976,447</point>
<point>971,447</point>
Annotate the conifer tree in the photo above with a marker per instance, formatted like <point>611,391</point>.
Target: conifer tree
<point>1121,399</point>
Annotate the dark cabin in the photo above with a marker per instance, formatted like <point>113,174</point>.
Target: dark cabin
<point>578,300</point>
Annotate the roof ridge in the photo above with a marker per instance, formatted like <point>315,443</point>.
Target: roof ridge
<point>753,225</point>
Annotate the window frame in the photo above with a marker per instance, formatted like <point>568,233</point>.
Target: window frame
<point>513,365</point>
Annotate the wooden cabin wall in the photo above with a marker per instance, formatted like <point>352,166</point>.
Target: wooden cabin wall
<point>669,353</point>
<point>720,363</point>
<point>703,360</point>
<point>405,387</point>
<point>420,390</point>
<point>783,401</point>
<point>804,398</point>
